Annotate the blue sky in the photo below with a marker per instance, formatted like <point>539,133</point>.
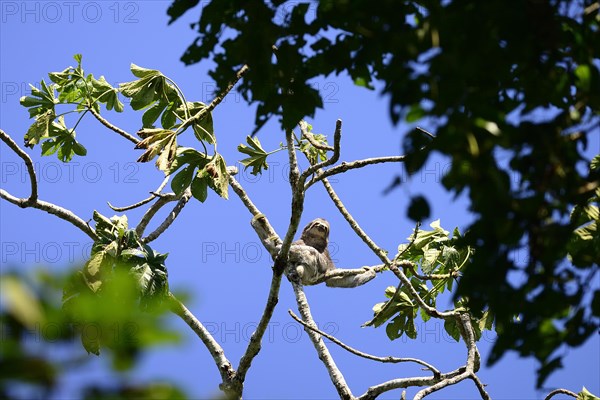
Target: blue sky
<point>214,254</point>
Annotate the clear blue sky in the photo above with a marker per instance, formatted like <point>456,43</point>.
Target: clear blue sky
<point>214,254</point>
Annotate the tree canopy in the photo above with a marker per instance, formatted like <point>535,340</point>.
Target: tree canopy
<point>511,93</point>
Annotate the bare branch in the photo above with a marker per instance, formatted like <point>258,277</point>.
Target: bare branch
<point>481,387</point>
<point>254,345</point>
<point>185,197</point>
<point>346,166</point>
<point>154,208</point>
<point>216,351</point>
<point>28,163</point>
<point>297,206</point>
<point>427,133</point>
<point>387,359</point>
<point>472,365</point>
<point>153,195</point>
<point>32,201</point>
<point>560,391</point>
<point>53,209</point>
<point>334,373</point>
<point>374,391</point>
<point>441,384</point>
<point>110,126</point>
<point>239,190</point>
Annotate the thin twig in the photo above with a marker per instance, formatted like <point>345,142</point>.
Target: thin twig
<point>431,135</point>
<point>480,387</point>
<point>218,99</point>
<point>185,197</point>
<point>388,359</point>
<point>32,201</point>
<point>375,391</point>
<point>254,344</point>
<point>113,127</point>
<point>153,195</point>
<point>239,190</point>
<point>346,166</point>
<point>334,373</point>
<point>441,384</point>
<point>28,163</point>
<point>216,351</point>
<point>152,210</point>
<point>560,391</point>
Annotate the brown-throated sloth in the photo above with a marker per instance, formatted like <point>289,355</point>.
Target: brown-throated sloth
<point>309,257</point>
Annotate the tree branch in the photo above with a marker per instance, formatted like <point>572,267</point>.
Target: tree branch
<point>216,351</point>
<point>254,345</point>
<point>311,139</point>
<point>374,391</point>
<point>560,391</point>
<point>330,161</point>
<point>297,206</point>
<point>28,163</point>
<point>334,373</point>
<point>218,99</point>
<point>153,195</point>
<point>388,359</point>
<point>110,126</point>
<point>239,190</point>
<point>32,201</point>
<point>346,166</point>
<point>185,197</point>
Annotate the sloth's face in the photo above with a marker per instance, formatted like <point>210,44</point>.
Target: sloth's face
<point>321,226</point>
<point>316,234</point>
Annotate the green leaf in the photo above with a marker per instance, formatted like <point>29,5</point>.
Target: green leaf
<point>200,188</point>
<point>183,179</point>
<point>451,326</point>
<point>396,327</point>
<point>415,113</point>
<point>586,395</point>
<point>103,92</point>
<point>152,114</point>
<point>187,155</point>
<point>583,75</point>
<point>142,72</point>
<point>258,156</point>
<point>364,82</point>
<point>152,86</point>
<point>216,170</point>
<point>40,129</point>
<point>41,101</point>
<point>595,163</point>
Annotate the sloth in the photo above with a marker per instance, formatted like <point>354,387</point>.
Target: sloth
<point>309,258</point>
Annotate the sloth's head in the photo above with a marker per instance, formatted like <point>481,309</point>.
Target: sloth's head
<point>316,234</point>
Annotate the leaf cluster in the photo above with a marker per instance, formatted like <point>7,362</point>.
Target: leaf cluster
<point>73,87</point>
<point>122,277</point>
<point>432,260</point>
